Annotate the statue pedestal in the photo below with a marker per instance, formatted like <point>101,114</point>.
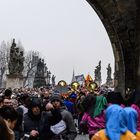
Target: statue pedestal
<point>14,81</point>
<point>110,83</point>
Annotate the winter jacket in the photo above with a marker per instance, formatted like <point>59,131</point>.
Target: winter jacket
<point>55,117</point>
<point>33,124</point>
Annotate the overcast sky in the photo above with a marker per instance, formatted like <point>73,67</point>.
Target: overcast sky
<point>68,33</point>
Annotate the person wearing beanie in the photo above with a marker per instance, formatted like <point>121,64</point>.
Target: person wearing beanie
<point>56,97</point>
<point>61,124</point>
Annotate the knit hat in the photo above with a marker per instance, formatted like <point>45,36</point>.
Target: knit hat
<point>56,97</point>
<point>35,102</point>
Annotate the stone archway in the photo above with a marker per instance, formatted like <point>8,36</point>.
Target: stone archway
<point>121,18</point>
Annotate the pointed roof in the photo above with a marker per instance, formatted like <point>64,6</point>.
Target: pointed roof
<point>73,76</point>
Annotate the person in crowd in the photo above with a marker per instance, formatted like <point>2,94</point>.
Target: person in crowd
<point>94,116</point>
<point>116,125</point>
<point>1,102</point>
<point>132,117</point>
<point>69,105</point>
<point>7,94</point>
<point>60,121</point>
<point>136,106</point>
<point>10,115</point>
<point>45,95</point>
<point>130,96</point>
<point>7,102</point>
<point>4,133</point>
<point>79,108</point>
<point>73,97</point>
<point>24,102</point>
<point>85,107</point>
<point>19,125</point>
<point>115,98</point>
<point>33,122</point>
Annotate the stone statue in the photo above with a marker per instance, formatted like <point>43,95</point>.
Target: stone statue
<point>98,73</point>
<point>39,80</point>
<point>109,79</point>
<point>48,76</point>
<point>16,60</point>
<point>109,71</point>
<point>40,67</point>
<point>11,63</point>
<point>21,62</point>
<point>53,80</point>
<point>45,68</point>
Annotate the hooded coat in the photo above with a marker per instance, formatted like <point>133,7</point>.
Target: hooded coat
<point>33,122</point>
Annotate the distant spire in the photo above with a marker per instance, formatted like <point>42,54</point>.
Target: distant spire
<point>13,42</point>
<point>73,76</point>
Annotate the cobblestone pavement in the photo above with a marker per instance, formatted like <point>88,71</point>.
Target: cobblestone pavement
<point>82,137</point>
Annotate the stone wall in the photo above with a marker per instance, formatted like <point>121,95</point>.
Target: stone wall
<point>121,20</point>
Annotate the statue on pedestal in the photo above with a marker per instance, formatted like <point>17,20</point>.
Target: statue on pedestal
<point>40,68</point>
<point>109,79</point>
<point>39,80</point>
<point>109,71</point>
<point>16,60</point>
<point>48,77</point>
<point>98,73</point>
<point>53,80</point>
<point>15,67</point>
<point>21,62</point>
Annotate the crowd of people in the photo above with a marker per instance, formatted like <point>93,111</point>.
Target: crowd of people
<point>43,114</point>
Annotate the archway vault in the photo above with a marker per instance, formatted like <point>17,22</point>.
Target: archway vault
<point>121,18</point>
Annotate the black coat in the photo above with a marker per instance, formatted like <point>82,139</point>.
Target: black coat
<point>52,118</point>
<point>31,123</point>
